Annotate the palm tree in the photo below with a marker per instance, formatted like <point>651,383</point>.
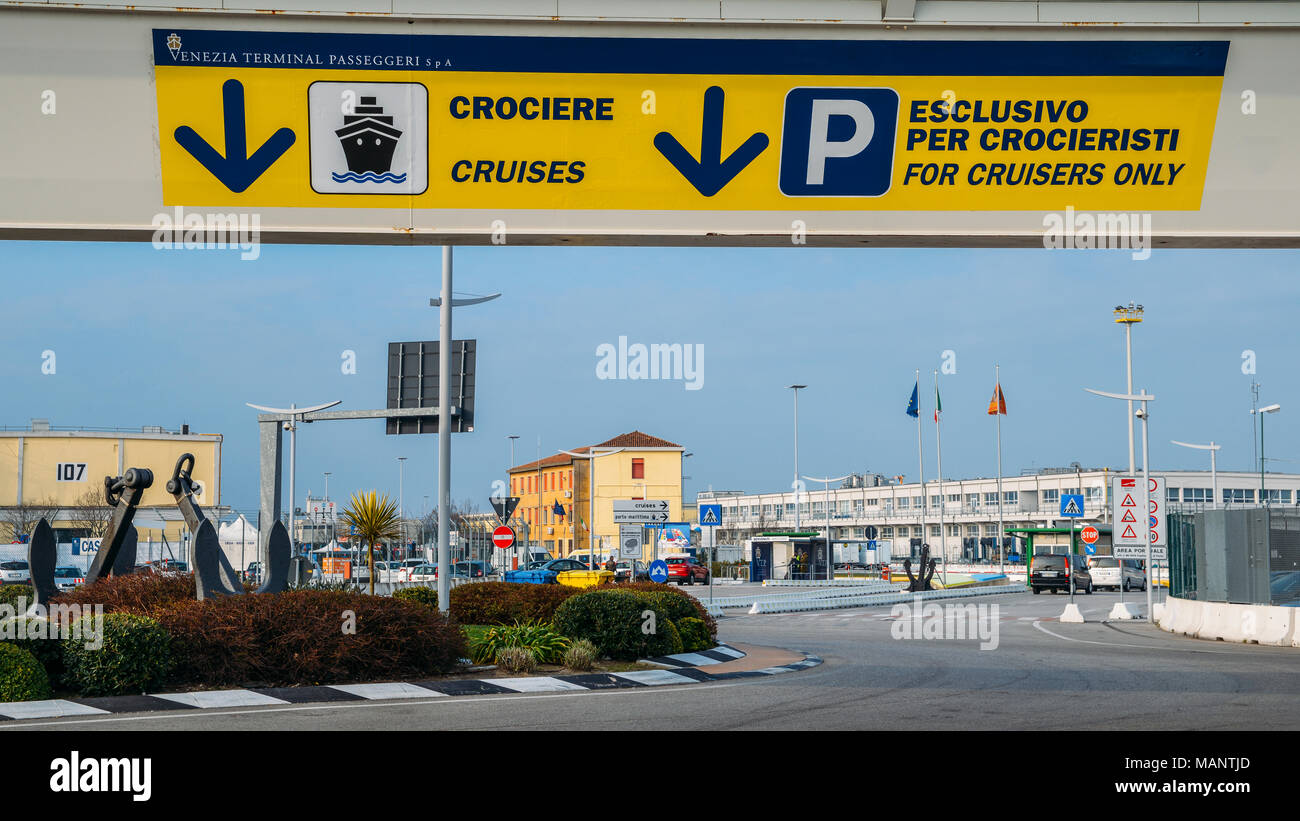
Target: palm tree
<point>374,518</point>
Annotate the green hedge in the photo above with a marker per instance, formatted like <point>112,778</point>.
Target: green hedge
<point>507,602</point>
<point>695,635</point>
<point>36,640</point>
<point>613,621</point>
<point>426,596</point>
<point>22,678</point>
<point>11,593</point>
<point>679,603</point>
<point>135,656</point>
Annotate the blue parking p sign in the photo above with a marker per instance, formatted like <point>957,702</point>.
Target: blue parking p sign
<point>838,142</point>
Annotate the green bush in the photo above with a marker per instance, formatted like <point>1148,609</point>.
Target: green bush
<point>546,645</point>
<point>672,637</point>
<point>581,656</point>
<point>507,602</point>
<point>134,656</point>
<point>11,593</point>
<point>695,635</point>
<point>22,678</point>
<point>33,635</point>
<point>613,620</point>
<point>420,595</point>
<point>678,603</point>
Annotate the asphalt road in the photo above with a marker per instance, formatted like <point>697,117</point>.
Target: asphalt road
<point>1042,675</point>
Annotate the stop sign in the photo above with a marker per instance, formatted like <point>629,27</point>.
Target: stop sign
<point>503,537</point>
<point>1090,535</point>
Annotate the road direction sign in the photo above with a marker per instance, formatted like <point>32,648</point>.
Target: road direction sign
<point>710,515</point>
<point>630,542</point>
<point>659,571</point>
<point>640,511</point>
<point>1071,505</point>
<point>503,537</point>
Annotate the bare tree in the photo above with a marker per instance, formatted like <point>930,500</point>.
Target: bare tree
<point>22,518</point>
<point>89,513</point>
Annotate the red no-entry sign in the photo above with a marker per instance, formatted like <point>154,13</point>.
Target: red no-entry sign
<point>503,537</point>
<point>1090,535</point>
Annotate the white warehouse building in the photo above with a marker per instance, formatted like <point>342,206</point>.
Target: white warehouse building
<point>898,515</point>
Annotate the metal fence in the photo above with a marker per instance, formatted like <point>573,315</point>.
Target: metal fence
<point>1249,556</point>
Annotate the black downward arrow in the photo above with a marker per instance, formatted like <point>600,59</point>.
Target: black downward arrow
<point>710,174</point>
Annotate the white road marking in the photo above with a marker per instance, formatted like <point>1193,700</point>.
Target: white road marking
<point>205,699</point>
<point>356,705</point>
<point>386,690</point>
<point>49,708</point>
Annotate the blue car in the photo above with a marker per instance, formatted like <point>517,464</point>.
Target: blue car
<point>543,572</point>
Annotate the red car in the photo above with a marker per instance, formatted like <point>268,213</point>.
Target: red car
<point>686,570</point>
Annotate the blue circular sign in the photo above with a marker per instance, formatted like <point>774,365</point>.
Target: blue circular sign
<point>659,571</point>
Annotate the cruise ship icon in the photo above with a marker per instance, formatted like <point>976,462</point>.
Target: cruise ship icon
<point>368,138</point>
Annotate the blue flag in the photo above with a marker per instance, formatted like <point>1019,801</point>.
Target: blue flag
<point>558,510</point>
<point>912,409</point>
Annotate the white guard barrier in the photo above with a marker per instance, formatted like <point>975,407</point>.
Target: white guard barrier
<point>1259,623</point>
<point>796,604</point>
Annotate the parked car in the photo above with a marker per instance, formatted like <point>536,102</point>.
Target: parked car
<point>422,574</point>
<point>559,571</point>
<point>1105,572</point>
<point>624,569</point>
<point>473,570</point>
<point>171,566</point>
<point>686,570</point>
<point>1284,588</point>
<point>253,572</point>
<point>68,578</point>
<point>1053,571</point>
<point>15,572</point>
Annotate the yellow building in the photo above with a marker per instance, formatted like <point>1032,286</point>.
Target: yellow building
<point>44,469</point>
<point>554,493</point>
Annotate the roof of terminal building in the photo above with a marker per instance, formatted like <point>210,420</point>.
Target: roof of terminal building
<point>636,440</point>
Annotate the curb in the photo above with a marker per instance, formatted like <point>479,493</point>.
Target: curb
<point>682,668</point>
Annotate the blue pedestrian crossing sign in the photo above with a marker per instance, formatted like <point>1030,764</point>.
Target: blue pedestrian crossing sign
<point>1071,505</point>
<point>659,571</point>
<point>710,515</point>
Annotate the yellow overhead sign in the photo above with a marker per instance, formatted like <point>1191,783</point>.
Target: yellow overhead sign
<point>257,119</point>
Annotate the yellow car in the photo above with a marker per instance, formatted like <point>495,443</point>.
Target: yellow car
<point>584,578</point>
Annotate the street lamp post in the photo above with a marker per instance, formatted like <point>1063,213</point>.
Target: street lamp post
<point>796,389</point>
<point>1214,475</point>
<point>1263,500</point>
<point>830,557</point>
<point>591,500</point>
<point>401,508</point>
<point>444,303</point>
<point>1128,317</point>
<point>1144,398</point>
<point>512,437</point>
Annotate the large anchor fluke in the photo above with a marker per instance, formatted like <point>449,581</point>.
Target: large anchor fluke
<point>277,553</point>
<point>213,575</point>
<point>42,556</point>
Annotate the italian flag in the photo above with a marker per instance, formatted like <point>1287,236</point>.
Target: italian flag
<point>938,405</point>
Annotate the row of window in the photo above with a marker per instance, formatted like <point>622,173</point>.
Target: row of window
<point>559,480</point>
<point>1231,495</point>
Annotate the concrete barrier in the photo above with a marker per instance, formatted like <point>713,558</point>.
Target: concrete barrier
<point>798,604</point>
<point>1261,623</point>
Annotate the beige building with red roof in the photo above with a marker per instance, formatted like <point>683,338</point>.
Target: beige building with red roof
<point>555,501</point>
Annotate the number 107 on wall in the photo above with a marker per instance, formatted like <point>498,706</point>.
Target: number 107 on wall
<point>70,472</point>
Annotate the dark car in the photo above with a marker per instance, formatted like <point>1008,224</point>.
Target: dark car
<point>686,570</point>
<point>471,570</point>
<point>624,569</point>
<point>1053,571</point>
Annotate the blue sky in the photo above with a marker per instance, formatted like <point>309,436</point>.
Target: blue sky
<point>208,332</point>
